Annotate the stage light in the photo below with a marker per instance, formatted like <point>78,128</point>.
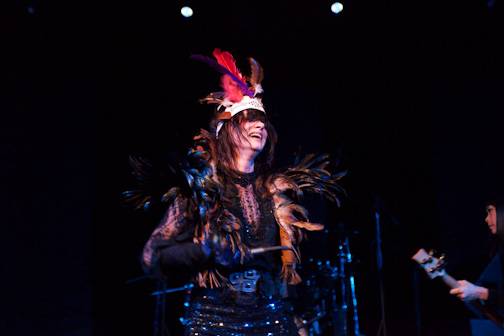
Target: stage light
<point>337,7</point>
<point>186,11</point>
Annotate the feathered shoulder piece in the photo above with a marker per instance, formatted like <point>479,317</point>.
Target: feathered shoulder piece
<point>160,183</point>
<point>309,174</point>
<point>156,183</point>
<point>190,192</point>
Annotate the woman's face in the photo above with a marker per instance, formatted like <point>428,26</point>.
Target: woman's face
<point>491,219</point>
<point>253,135</point>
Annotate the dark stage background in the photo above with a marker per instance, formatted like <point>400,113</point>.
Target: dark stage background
<point>407,95</point>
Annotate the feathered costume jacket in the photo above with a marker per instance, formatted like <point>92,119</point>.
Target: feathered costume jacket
<point>197,211</point>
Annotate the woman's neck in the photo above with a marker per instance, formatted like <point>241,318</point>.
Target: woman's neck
<point>245,164</point>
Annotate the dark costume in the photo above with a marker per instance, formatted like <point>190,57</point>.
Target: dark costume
<point>214,224</point>
<point>492,310</point>
<point>492,277</point>
<point>244,297</point>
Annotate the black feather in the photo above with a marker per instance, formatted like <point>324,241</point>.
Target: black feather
<point>311,174</point>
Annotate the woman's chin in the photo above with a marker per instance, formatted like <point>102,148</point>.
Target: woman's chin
<point>257,149</point>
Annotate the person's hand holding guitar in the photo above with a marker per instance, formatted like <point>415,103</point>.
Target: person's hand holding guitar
<point>467,291</point>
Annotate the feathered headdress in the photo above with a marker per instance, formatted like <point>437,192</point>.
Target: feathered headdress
<point>240,93</point>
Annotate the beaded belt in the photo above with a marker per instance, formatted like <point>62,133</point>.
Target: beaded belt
<point>245,281</point>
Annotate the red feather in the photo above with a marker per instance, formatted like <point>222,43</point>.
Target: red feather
<point>227,60</point>
<point>233,91</point>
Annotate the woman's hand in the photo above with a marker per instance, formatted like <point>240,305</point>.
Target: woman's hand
<point>219,249</point>
<point>467,291</point>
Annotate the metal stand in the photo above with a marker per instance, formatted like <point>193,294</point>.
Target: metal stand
<point>382,329</point>
<point>349,317</point>
<point>353,295</point>
<point>159,328</point>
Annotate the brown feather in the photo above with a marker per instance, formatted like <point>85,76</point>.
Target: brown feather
<point>256,72</point>
<point>308,226</point>
<point>290,275</point>
<point>213,98</point>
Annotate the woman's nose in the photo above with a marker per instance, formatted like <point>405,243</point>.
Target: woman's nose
<point>259,124</point>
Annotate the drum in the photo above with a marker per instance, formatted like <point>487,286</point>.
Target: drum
<point>326,300</point>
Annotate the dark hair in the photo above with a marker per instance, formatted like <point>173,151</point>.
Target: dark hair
<point>227,147</point>
<point>498,238</point>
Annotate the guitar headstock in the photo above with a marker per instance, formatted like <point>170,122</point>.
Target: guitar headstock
<point>432,265</point>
